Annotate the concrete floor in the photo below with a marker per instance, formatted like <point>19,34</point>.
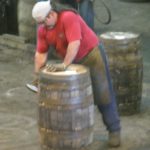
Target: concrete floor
<point>18,106</point>
<point>18,115</point>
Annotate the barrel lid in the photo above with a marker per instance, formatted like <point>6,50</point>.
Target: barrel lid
<point>73,69</point>
<point>119,35</point>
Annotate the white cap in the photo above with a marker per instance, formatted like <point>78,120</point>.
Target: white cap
<point>40,10</point>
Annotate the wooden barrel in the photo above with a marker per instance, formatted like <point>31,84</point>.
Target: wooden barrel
<point>126,67</point>
<point>66,110</point>
<point>26,24</point>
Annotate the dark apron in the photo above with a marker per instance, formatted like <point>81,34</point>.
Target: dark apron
<point>100,76</point>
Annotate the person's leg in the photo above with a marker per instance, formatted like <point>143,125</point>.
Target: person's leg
<point>40,0</point>
<point>86,12</point>
<point>109,111</point>
<point>110,116</point>
<point>112,122</point>
<point>90,15</point>
<point>103,93</point>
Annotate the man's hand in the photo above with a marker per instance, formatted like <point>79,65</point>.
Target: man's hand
<point>56,67</point>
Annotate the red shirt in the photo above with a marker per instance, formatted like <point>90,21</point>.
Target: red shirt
<point>69,27</point>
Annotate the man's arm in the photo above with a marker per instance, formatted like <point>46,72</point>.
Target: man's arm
<point>72,51</point>
<point>39,61</point>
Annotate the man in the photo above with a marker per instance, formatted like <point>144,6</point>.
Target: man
<point>75,42</point>
<point>40,0</point>
<point>86,10</point>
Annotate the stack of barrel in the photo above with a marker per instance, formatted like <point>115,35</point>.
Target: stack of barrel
<point>126,67</point>
<point>66,109</point>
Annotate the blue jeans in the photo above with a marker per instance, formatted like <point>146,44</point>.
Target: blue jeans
<point>87,13</point>
<point>109,111</point>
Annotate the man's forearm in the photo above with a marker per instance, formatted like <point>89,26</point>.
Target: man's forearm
<point>40,61</point>
<point>72,51</point>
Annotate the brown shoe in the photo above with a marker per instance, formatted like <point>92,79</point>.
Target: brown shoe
<point>114,139</point>
<point>33,86</point>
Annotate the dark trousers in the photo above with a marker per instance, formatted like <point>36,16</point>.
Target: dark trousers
<point>86,11</point>
<point>104,96</point>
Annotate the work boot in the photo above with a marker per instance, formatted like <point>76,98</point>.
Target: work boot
<point>33,86</point>
<point>114,139</point>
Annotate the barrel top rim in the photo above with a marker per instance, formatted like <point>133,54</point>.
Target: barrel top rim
<point>73,69</point>
<point>119,35</point>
